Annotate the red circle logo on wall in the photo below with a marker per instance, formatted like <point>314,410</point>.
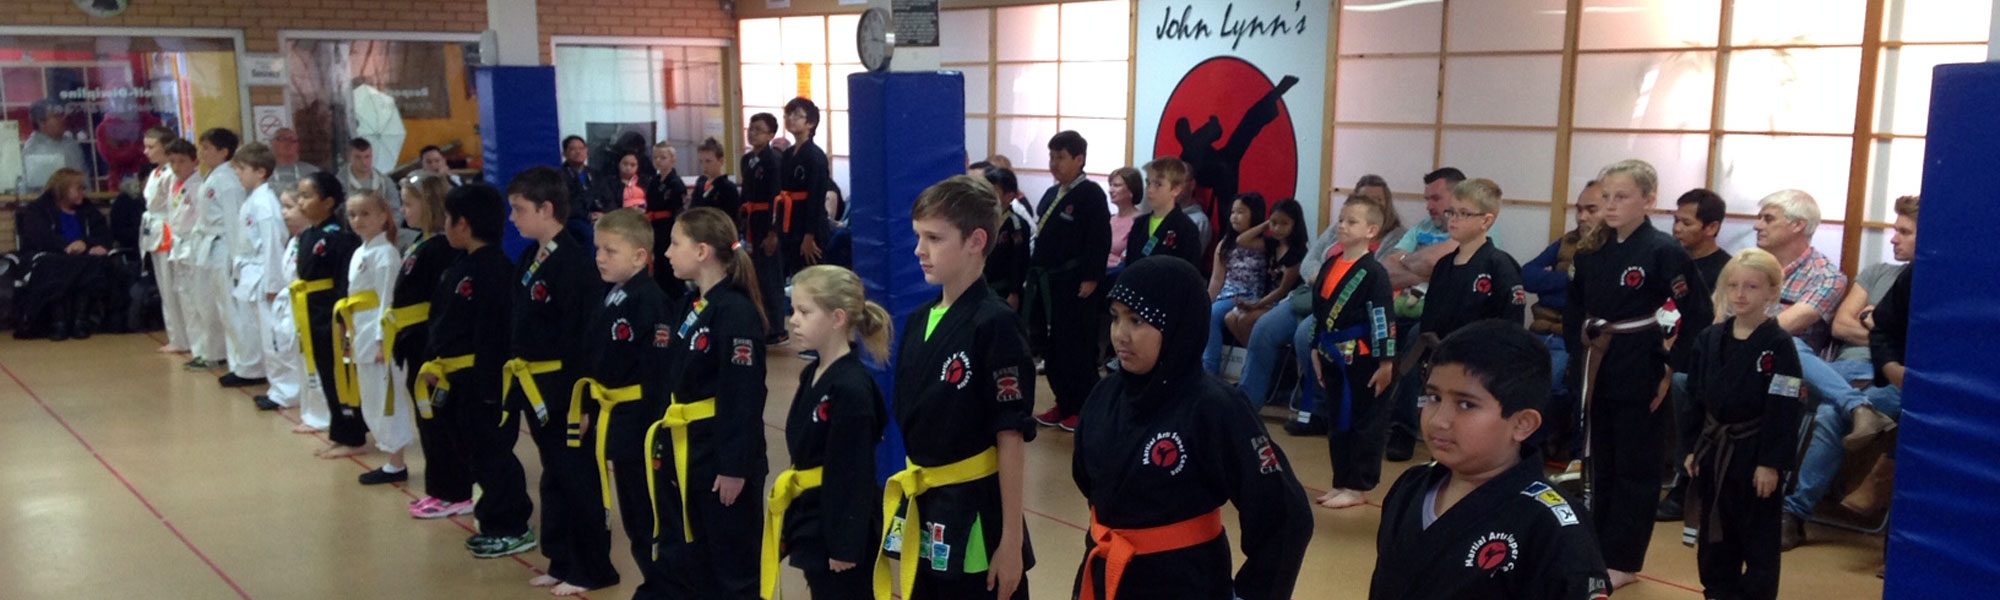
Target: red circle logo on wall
<point>1227,120</point>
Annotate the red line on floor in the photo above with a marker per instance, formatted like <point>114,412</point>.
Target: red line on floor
<point>128,484</point>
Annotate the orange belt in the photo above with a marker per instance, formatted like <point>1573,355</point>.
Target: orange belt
<point>656,215</point>
<point>1118,546</point>
<point>784,206</point>
<point>754,207</point>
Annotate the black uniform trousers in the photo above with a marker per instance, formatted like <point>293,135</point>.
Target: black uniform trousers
<point>1069,356</point>
<point>575,534</point>
<point>447,473</point>
<point>488,448</point>
<point>626,450</point>
<point>347,428</point>
<point>962,586</point>
<point>724,560</point>
<point>1624,462</point>
<point>1745,564</point>
<point>857,583</point>
<point>771,284</point>
<point>1356,452</point>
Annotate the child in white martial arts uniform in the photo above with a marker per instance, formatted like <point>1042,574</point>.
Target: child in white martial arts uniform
<point>259,262</point>
<point>180,243</point>
<point>288,382</point>
<point>205,284</point>
<point>153,233</point>
<point>371,283</point>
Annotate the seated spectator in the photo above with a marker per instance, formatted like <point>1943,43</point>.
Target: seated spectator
<point>431,159</point>
<point>361,174</point>
<point>1238,272</point>
<point>1697,220</point>
<point>1846,411</point>
<point>1786,222</point>
<point>69,275</point>
<point>1125,181</point>
<point>840,238</point>
<point>49,147</point>
<point>285,144</point>
<point>1416,252</point>
<point>1375,187</point>
<point>1547,277</point>
<point>1282,239</point>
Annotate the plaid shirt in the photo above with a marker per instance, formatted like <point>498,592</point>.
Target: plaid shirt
<point>1812,280</point>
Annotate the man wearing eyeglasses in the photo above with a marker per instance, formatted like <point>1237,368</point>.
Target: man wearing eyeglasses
<point>285,145</point>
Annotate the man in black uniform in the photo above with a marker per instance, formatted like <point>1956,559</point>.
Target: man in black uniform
<point>1624,274</point>
<point>1167,231</point>
<point>760,171</point>
<point>471,300</point>
<point>324,250</point>
<point>555,289</point>
<point>1073,235</point>
<point>1168,444</point>
<point>1482,522</point>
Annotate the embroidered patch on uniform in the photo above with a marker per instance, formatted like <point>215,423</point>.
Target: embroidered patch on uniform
<point>1680,286</point>
<point>1267,456</point>
<point>409,262</point>
<point>621,331</point>
<point>1493,553</point>
<point>1482,284</point>
<point>822,412</point>
<point>1165,451</point>
<point>1766,361</point>
<point>957,370</point>
<point>1634,277</point>
<point>1007,385</point>
<point>1785,385</point>
<point>740,353</point>
<point>1520,295</point>
<point>539,292</point>
<point>1541,492</point>
<point>465,287</point>
<point>699,343</point>
<point>1600,589</point>
<point>1169,239</point>
<point>662,335</point>
<point>319,247</point>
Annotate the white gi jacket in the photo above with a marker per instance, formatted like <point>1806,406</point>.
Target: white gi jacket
<point>259,258</point>
<point>373,268</point>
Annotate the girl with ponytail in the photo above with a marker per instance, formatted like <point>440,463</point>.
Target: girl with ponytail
<point>709,446</point>
<point>822,508</point>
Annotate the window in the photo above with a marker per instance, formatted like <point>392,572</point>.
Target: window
<point>658,92</point>
<point>400,94</point>
<point>99,94</point>
<point>813,58</point>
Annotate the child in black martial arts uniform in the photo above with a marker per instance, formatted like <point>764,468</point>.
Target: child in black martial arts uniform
<point>1073,231</point>
<point>709,446</point>
<point>1478,281</point>
<point>1482,522</point>
<point>761,168</point>
<point>1743,376</point>
<point>964,387</point>
<point>1007,265</point>
<point>712,189</point>
<point>623,384</point>
<point>822,510</point>
<point>1166,446</point>
<point>1167,230</point>
<point>1623,274</point>
<point>324,251</point>
<point>555,289</point>
<point>800,208</point>
<point>468,345</point>
<point>1354,351</point>
<point>406,341</point>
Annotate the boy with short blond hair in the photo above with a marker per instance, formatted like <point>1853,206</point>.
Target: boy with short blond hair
<point>1167,230</point>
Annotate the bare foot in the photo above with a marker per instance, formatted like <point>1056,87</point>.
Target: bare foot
<point>1344,499</point>
<point>567,590</point>
<point>544,581</point>
<point>339,451</point>
<point>304,428</point>
<point>1621,579</point>
<point>170,349</point>
<point>1326,496</point>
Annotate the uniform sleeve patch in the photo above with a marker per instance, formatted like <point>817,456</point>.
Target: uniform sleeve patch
<point>742,352</point>
<point>662,335</point>
<point>1007,384</point>
<point>1554,501</point>
<point>1785,385</point>
<point>1267,456</point>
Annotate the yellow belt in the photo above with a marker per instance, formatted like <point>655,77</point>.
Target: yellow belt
<point>346,382</point>
<point>679,416</point>
<point>525,371</point>
<point>442,368</point>
<point>394,321</point>
<point>789,486</point>
<point>300,289</point>
<point>607,397</point>
<point>910,484</point>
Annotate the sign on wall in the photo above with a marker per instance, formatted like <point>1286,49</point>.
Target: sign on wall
<point>1236,89</point>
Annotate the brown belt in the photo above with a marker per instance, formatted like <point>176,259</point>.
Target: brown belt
<point>1718,441</point>
<point>1596,337</point>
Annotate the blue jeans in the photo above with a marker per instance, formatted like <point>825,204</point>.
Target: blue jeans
<point>1558,363</point>
<point>1266,336</point>
<point>1302,348</point>
<point>1831,423</point>
<point>1211,355</point>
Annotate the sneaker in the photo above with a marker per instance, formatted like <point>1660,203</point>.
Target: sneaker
<point>199,364</point>
<point>379,476</point>
<point>264,403</point>
<point>1051,418</point>
<point>1791,532</point>
<point>430,507</point>
<point>504,546</point>
<point>1068,424</point>
<point>233,380</point>
<point>1314,425</point>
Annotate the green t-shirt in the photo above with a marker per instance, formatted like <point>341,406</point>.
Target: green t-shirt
<point>1153,225</point>
<point>937,314</point>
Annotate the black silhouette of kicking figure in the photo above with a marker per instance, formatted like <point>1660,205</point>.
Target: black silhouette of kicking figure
<point>1218,168</point>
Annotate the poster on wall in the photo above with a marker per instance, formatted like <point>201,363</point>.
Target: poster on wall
<point>1239,93</point>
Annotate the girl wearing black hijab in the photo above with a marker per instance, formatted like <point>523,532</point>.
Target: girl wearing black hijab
<point>1163,445</point>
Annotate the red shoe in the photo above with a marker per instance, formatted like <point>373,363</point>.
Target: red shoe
<point>1068,424</point>
<point>1054,418</point>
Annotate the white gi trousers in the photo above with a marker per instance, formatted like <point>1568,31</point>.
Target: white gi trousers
<point>392,432</point>
<point>199,284</point>
<point>170,299</point>
<point>247,350</point>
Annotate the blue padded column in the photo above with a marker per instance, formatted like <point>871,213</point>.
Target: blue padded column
<point>517,128</point>
<point>907,131</point>
<point>1941,540</point>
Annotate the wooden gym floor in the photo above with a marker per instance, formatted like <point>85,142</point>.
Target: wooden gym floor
<point>125,476</point>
